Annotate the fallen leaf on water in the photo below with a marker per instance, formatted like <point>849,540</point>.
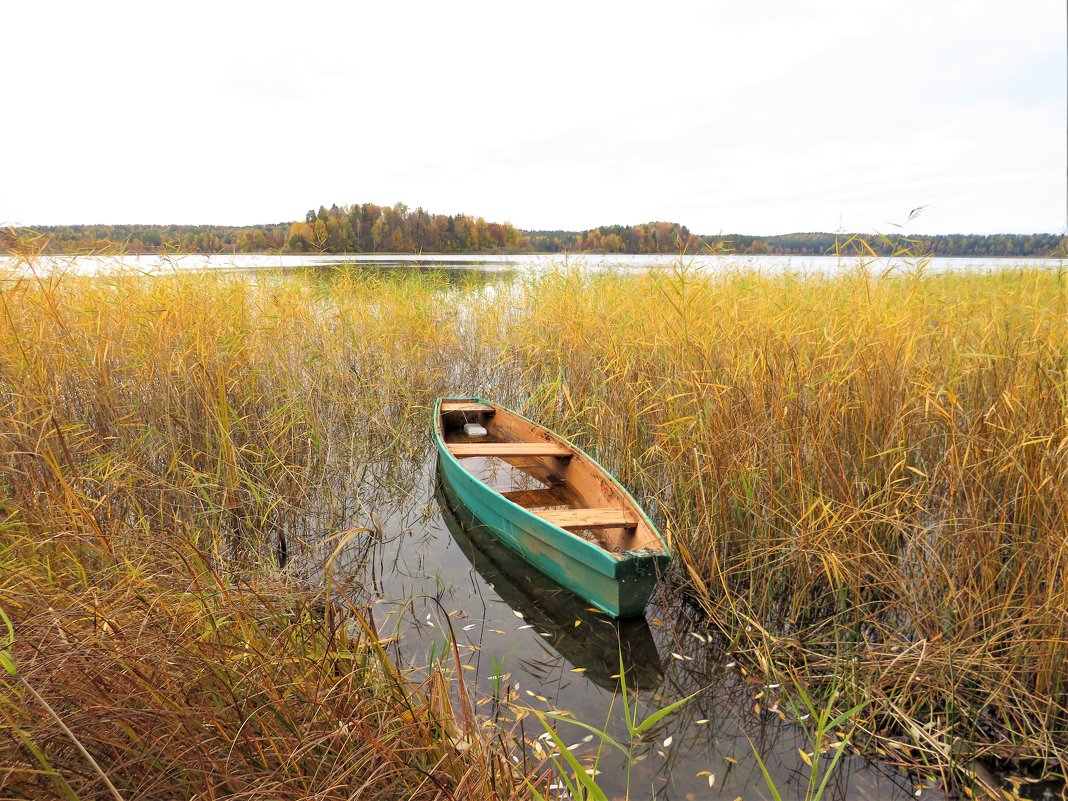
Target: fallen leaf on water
<point>701,722</point>
<point>527,626</point>
<point>578,670</point>
<point>667,742</point>
<point>730,760</point>
<point>517,614</point>
<point>469,626</point>
<point>578,623</point>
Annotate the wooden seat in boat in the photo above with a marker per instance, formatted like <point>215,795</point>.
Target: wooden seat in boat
<point>589,518</point>
<point>503,449</point>
<point>465,406</point>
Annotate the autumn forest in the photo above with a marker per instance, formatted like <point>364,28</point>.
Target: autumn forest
<point>369,228</point>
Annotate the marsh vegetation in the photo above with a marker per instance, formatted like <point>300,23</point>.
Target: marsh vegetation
<point>864,478</point>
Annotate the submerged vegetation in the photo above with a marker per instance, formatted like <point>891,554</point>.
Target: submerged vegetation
<point>865,478</point>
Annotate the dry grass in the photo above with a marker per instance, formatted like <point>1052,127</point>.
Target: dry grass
<point>864,476</point>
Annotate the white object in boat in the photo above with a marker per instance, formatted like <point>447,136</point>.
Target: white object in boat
<point>474,430</point>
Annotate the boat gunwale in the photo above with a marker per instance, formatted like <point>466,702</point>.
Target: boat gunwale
<point>618,558</point>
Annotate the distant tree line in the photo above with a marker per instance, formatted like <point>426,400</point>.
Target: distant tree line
<point>815,244</point>
<point>367,228</point>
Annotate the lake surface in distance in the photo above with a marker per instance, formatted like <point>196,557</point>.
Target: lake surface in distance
<point>521,262</point>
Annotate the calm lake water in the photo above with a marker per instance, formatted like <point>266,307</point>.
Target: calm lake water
<point>434,574</point>
<point>513,263</point>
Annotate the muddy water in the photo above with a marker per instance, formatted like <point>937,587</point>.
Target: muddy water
<point>437,573</point>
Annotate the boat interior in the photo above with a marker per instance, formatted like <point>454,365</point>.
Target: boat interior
<point>535,469</point>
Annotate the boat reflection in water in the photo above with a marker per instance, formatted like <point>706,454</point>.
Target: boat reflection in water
<point>596,643</point>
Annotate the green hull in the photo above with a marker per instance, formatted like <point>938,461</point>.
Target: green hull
<point>618,586</point>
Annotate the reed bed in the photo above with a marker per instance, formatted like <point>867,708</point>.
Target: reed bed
<point>165,445</point>
<point>864,476</point>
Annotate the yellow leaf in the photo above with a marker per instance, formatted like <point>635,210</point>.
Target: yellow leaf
<point>805,757</point>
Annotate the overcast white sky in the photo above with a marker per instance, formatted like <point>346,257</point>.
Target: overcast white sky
<point>760,117</point>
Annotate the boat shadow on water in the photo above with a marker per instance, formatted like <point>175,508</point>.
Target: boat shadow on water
<point>585,637</point>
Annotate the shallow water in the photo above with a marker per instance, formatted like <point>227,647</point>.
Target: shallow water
<point>524,262</point>
<point>436,574</point>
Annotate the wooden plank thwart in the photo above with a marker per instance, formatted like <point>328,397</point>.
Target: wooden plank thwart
<point>504,449</point>
<point>465,406</point>
<point>589,518</point>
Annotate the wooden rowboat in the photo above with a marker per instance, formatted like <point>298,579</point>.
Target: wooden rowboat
<point>551,503</point>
